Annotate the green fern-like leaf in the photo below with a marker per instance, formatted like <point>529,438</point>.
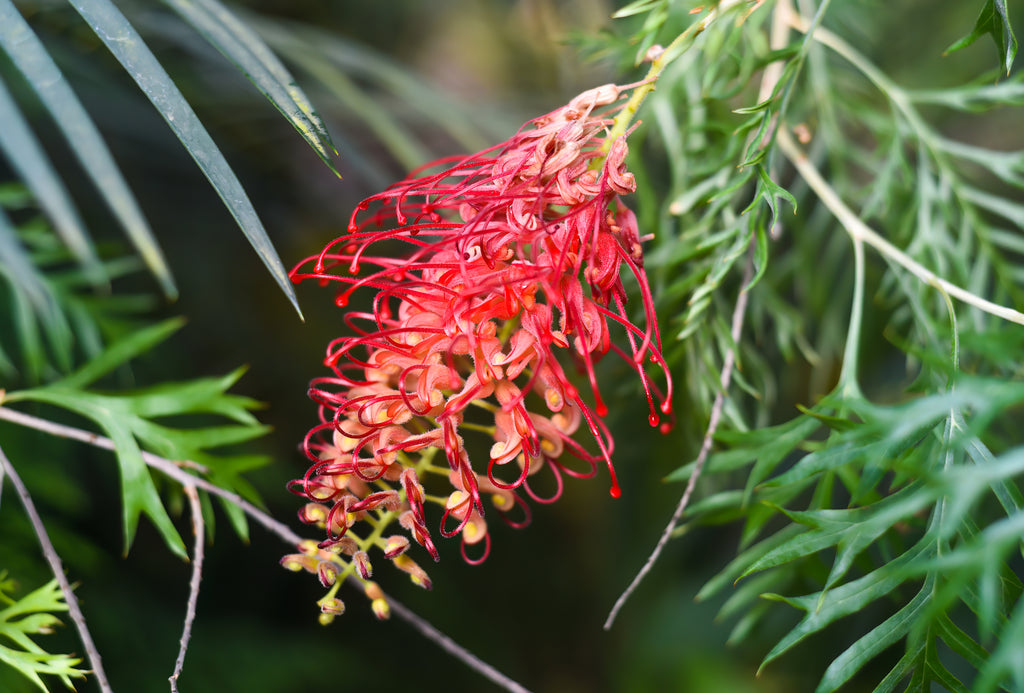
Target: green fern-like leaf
<point>32,615</point>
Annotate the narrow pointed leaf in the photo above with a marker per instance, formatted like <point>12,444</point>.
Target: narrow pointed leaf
<point>844,600</point>
<point>995,21</point>
<point>246,49</point>
<point>28,159</point>
<point>138,492</point>
<point>30,56</point>
<point>38,298</point>
<point>111,26</point>
<point>122,351</point>
<point>892,630</point>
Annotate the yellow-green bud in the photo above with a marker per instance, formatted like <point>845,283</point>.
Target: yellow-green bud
<point>395,546</point>
<point>332,606</point>
<point>327,571</point>
<point>373,590</point>
<point>361,560</point>
<point>381,608</point>
<point>314,514</point>
<point>297,561</point>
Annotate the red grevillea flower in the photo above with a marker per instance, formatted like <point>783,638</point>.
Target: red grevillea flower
<point>514,257</point>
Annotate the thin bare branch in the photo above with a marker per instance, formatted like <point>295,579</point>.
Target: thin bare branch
<point>454,649</point>
<point>58,573</point>
<point>859,231</point>
<point>728,363</point>
<point>283,532</point>
<point>198,552</point>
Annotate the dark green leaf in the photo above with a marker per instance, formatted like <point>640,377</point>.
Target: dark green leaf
<point>29,160</point>
<point>995,21</point>
<point>121,352</point>
<point>246,49</point>
<point>890,631</point>
<point>128,47</point>
<point>31,57</point>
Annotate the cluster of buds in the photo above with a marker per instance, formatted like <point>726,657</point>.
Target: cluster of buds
<point>514,258</point>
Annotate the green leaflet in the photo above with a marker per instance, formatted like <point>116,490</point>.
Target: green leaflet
<point>128,420</point>
<point>995,21</point>
<point>33,615</point>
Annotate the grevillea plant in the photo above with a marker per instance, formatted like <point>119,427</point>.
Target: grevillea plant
<point>511,279</point>
<point>821,200</point>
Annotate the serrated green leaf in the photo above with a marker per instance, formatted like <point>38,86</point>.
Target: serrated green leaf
<point>246,49</point>
<point>29,160</point>
<point>995,21</point>
<point>869,646</point>
<point>959,642</point>
<point>738,565</point>
<point>30,56</point>
<point>32,615</point>
<point>843,600</point>
<point>770,191</point>
<point>138,492</point>
<point>760,255</point>
<point>111,26</point>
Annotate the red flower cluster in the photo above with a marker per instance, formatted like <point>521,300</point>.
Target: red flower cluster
<point>514,257</point>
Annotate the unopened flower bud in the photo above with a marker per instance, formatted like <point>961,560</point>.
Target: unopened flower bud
<point>347,546</point>
<point>308,547</point>
<point>327,571</point>
<point>297,561</point>
<point>381,609</point>
<point>361,560</point>
<point>395,546</point>
<point>332,605</point>
<point>325,619</point>
<point>314,514</point>
<point>373,590</point>
<point>416,573</point>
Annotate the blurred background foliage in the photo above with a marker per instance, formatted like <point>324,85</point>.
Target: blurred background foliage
<point>398,83</point>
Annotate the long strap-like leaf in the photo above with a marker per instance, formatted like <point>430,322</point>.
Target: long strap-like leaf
<point>29,160</point>
<point>244,47</point>
<point>124,42</point>
<point>29,55</point>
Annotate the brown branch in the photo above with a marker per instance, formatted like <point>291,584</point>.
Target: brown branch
<point>705,449</point>
<point>58,573</point>
<point>198,552</point>
<point>283,531</point>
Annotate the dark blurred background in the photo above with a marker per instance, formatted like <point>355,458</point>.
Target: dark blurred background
<point>535,608</point>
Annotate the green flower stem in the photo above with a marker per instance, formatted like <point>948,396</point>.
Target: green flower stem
<point>859,231</point>
<point>678,46</point>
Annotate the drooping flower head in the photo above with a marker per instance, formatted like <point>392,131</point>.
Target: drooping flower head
<point>513,257</point>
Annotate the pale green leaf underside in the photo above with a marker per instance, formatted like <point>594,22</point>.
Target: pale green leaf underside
<point>246,49</point>
<point>30,56</point>
<point>124,42</point>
